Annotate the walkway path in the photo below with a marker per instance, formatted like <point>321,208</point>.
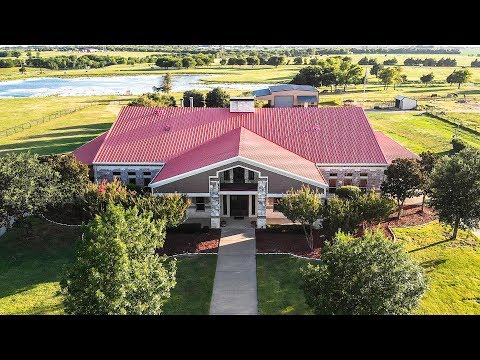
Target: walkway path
<point>235,285</point>
<point>477,232</point>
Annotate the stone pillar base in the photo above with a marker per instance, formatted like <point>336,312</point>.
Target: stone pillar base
<point>215,223</point>
<point>261,223</point>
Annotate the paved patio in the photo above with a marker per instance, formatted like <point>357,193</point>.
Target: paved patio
<point>235,284</point>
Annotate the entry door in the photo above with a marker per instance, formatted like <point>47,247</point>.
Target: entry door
<point>239,205</point>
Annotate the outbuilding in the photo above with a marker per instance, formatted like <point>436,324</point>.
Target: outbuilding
<point>405,103</point>
<point>288,95</point>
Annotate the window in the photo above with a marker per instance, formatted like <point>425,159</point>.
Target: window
<point>332,186</point>
<point>363,174</point>
<point>200,203</point>
<point>253,204</point>
<point>348,175</point>
<point>363,185</point>
<point>117,173</point>
<point>226,175</point>
<point>347,182</point>
<point>132,177</point>
<point>225,204</point>
<point>276,201</point>
<point>146,181</point>
<point>147,173</point>
<point>333,174</point>
<point>251,175</point>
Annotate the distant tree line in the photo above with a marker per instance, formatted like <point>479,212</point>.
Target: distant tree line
<point>8,63</point>
<point>10,53</point>
<point>186,62</point>
<point>430,62</point>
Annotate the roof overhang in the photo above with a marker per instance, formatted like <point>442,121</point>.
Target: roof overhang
<point>240,159</point>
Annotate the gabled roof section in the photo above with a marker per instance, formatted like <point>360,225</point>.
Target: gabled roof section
<point>321,135</point>
<point>242,145</point>
<point>392,149</point>
<point>86,153</point>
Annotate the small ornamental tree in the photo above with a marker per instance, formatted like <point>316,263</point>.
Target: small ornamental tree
<point>402,180</point>
<point>427,163</point>
<point>217,98</point>
<point>96,197</point>
<point>338,214</point>
<point>455,189</point>
<point>304,206</point>
<point>117,271</point>
<point>375,209</point>
<point>370,275</point>
<point>27,186</point>
<point>171,208</point>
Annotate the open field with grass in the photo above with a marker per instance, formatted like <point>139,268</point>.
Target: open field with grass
<point>419,132</point>
<point>453,268</point>
<point>31,267</point>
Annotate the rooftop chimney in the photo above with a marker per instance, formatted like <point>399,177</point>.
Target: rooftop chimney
<point>191,101</point>
<point>242,104</point>
<point>181,102</point>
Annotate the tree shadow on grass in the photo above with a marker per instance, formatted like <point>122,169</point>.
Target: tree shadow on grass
<point>430,245</point>
<point>431,265</point>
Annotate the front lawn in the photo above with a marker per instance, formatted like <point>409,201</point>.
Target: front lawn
<point>192,294</point>
<point>278,285</point>
<point>31,268</point>
<point>453,268</point>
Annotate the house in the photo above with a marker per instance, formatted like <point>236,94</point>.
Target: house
<point>405,103</point>
<point>238,162</point>
<point>288,95</point>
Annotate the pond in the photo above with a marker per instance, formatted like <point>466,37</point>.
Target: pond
<point>114,85</point>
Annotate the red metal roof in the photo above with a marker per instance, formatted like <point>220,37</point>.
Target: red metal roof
<point>392,149</point>
<point>244,143</point>
<point>86,153</point>
<point>321,135</point>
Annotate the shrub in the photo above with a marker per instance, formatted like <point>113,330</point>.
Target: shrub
<point>348,192</point>
<point>365,276</point>
<point>277,228</point>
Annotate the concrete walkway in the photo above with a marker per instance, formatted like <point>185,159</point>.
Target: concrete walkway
<point>235,285</point>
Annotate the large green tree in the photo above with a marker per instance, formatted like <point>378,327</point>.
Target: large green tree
<point>304,206</point>
<point>217,98</point>
<point>276,60</point>
<point>188,62</point>
<point>27,186</point>
<point>402,180</point>
<point>427,163</point>
<point>459,77</point>
<point>455,189</point>
<point>116,271</point>
<point>391,76</point>
<point>370,275</point>
<point>198,98</point>
<point>427,78</point>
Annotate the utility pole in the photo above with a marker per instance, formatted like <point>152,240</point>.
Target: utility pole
<point>364,85</point>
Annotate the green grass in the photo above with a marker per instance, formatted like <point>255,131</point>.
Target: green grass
<point>278,282</point>
<point>471,120</point>
<point>193,291</point>
<point>452,266</point>
<point>419,132</point>
<point>31,268</point>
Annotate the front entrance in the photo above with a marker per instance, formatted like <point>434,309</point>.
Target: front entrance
<point>238,205</point>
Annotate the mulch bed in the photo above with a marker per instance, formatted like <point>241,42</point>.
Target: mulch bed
<point>178,243</point>
<point>382,226</point>
<point>412,216</point>
<point>293,243</point>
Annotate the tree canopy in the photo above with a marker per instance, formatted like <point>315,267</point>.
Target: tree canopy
<point>370,275</point>
<point>402,180</point>
<point>455,189</point>
<point>217,98</point>
<point>459,77</point>
<point>152,99</point>
<point>198,98</point>
<point>117,271</point>
<point>427,78</point>
<point>166,83</point>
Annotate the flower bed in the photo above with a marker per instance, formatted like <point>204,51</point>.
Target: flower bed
<point>178,243</point>
<point>412,216</point>
<point>288,242</point>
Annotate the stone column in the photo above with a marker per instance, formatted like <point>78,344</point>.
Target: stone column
<point>214,188</point>
<point>262,203</point>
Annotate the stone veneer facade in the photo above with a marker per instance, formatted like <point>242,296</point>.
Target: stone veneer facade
<point>375,175</point>
<point>106,172</point>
